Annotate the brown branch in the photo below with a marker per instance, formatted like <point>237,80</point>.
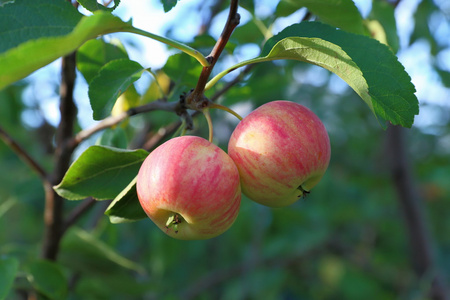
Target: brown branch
<point>53,214</point>
<point>168,130</point>
<point>195,99</point>
<point>23,154</point>
<point>161,135</point>
<point>421,241</point>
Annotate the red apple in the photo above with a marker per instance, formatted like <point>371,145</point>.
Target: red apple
<point>189,188</point>
<point>282,150</point>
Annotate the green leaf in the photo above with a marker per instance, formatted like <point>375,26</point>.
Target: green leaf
<point>251,32</point>
<point>182,69</point>
<point>83,250</point>
<point>111,81</point>
<point>168,4</point>
<point>8,270</point>
<point>126,206</point>
<point>368,66</point>
<point>48,279</point>
<point>93,5</point>
<point>381,81</point>
<point>45,44</point>
<point>24,20</point>
<point>94,54</point>
<point>340,13</point>
<point>113,137</point>
<point>100,172</point>
<point>248,5</point>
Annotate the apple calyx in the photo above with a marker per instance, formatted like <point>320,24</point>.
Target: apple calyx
<point>173,221</point>
<point>303,192</point>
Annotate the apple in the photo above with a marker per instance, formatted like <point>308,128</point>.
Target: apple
<point>282,150</point>
<point>189,188</point>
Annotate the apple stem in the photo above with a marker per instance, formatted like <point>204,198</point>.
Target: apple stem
<point>210,125</point>
<point>173,221</point>
<point>224,108</point>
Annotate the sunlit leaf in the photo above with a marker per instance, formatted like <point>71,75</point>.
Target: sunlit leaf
<point>111,81</point>
<point>100,172</point>
<point>340,13</point>
<point>94,54</point>
<point>23,20</point>
<point>384,13</point>
<point>182,69</point>
<point>20,57</point>
<point>130,98</point>
<point>375,74</point>
<point>158,89</point>
<point>368,66</point>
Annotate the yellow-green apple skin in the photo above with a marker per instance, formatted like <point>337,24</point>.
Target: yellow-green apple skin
<point>194,180</point>
<point>282,150</point>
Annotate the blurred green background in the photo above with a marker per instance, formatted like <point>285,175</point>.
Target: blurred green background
<point>346,240</point>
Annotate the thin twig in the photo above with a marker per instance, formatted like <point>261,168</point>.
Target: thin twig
<point>23,154</point>
<point>161,135</point>
<point>77,213</point>
<point>114,120</point>
<point>232,83</point>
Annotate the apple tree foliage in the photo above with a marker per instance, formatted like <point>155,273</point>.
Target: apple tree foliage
<point>344,240</point>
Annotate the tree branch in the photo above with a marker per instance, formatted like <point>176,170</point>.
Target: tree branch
<point>77,212</point>
<point>422,248</point>
<point>53,214</point>
<point>232,83</point>
<point>196,98</point>
<point>114,120</point>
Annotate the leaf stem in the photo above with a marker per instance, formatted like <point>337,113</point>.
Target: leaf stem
<point>185,48</point>
<point>224,108</point>
<point>219,76</point>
